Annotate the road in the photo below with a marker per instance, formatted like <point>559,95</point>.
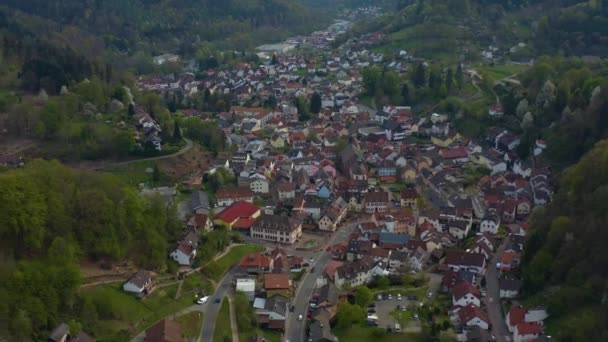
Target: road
<point>224,288</point>
<point>492,299</point>
<point>295,330</point>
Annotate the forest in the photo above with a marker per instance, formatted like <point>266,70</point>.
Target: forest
<point>53,218</point>
<point>565,256</point>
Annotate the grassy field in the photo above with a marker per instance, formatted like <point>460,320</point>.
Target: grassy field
<point>216,270</point>
<point>191,324</point>
<point>121,311</point>
<point>223,332</point>
<point>135,173</point>
<point>501,71</point>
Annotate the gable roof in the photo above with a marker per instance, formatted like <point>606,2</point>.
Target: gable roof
<point>465,259</point>
<point>240,209</point>
<point>140,278</point>
<point>470,312</point>
<point>164,331</point>
<point>463,288</point>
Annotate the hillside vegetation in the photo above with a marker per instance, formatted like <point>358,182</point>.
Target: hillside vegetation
<point>565,253</point>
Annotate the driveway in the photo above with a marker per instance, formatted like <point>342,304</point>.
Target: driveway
<point>492,300</point>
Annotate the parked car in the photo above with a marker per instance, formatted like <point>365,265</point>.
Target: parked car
<point>379,297</point>
<point>202,300</point>
<point>372,305</point>
<point>390,296</point>
<point>412,297</point>
<point>399,296</point>
<point>300,317</point>
<point>415,317</point>
<point>217,300</point>
<point>430,294</point>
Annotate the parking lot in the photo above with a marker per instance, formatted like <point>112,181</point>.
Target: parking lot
<point>388,314</point>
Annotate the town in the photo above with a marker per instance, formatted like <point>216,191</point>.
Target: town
<point>430,223</point>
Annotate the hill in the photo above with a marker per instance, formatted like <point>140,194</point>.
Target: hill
<point>565,256</point>
<point>176,25</point>
<point>448,28</point>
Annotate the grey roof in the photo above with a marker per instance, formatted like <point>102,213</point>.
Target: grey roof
<point>318,332</point>
<point>60,332</point>
<point>329,294</point>
<point>140,278</point>
<point>199,200</point>
<point>277,304</point>
<point>509,284</point>
<point>394,238</point>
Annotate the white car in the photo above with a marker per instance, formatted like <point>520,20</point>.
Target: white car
<point>202,300</point>
<point>300,317</point>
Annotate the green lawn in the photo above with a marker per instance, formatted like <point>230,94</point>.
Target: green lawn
<point>223,332</point>
<point>120,311</point>
<point>191,324</point>
<point>363,333</point>
<point>270,336</point>
<point>501,71</point>
<point>419,292</point>
<point>217,269</point>
<point>135,173</point>
<point>196,281</point>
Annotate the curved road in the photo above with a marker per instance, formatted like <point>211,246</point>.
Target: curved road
<point>224,288</point>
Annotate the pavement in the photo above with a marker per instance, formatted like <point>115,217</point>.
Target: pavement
<point>295,330</point>
<point>492,299</point>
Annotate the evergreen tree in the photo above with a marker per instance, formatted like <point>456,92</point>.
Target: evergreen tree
<point>177,132</point>
<point>274,61</point>
<point>315,103</point>
<point>459,76</point>
<point>131,110</point>
<point>156,174</point>
<point>419,78</point>
<point>449,79</point>
<point>405,94</point>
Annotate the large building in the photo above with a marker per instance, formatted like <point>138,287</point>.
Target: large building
<point>274,228</point>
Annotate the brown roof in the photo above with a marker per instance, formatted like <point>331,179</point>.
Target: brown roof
<point>164,331</point>
<point>276,281</point>
<point>380,196</point>
<point>234,192</point>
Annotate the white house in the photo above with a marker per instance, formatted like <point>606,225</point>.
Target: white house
<point>473,316</point>
<point>184,254</point>
<point>526,331</point>
<point>490,223</point>
<point>259,186</point>
<point>141,283</point>
<point>464,293</point>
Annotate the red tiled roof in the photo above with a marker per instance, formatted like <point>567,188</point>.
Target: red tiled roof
<point>531,328</point>
<point>463,288</point>
<point>164,331</point>
<point>517,315</point>
<point>256,260</point>
<point>232,192</point>
<point>237,210</point>
<point>470,312</point>
<point>276,281</point>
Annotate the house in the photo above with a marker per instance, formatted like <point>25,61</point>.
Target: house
<point>257,263</point>
<point>409,197</point>
<point>247,286</point>
<point>286,191</point>
<point>397,260</point>
<point>526,331</point>
<point>259,186</point>
<point>473,316</point>
<point>509,260</point>
<point>332,217</point>
<point>490,223</point>
<point>164,331</point>
<point>277,141</point>
<point>353,274</point>
<point>472,262</point>
<point>389,240</point>
<point>418,258</point>
<point>199,203</point>
<point>516,315</point>
<point>509,287</point>
<point>496,110</point>
<point>459,228</point>
<point>185,252</point>
<point>320,332</point>
<point>200,221</point>
<point>376,202</point>
<point>277,284</point>
<point>464,293</point>
<point>225,196</point>
<point>276,229</point>
<point>239,215</point>
<point>61,333</point>
<point>272,312</point>
<point>140,283</point>
<point>387,171</point>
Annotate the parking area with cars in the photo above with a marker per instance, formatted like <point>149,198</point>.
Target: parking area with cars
<point>395,312</point>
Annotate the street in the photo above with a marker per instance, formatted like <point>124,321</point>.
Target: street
<point>492,300</point>
<point>294,329</point>
<point>224,288</point>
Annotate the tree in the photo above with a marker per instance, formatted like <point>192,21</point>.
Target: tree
<point>131,110</point>
<point>303,113</point>
<point>315,103</point>
<point>383,282</point>
<point>449,79</point>
<point>21,325</point>
<point>177,132</point>
<point>419,78</point>
<point>363,296</point>
<point>274,61</point>
<point>405,94</point>
<point>459,76</point>
<point>156,174</point>
<point>348,315</point>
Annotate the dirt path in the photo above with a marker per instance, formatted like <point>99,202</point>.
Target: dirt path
<point>185,149</point>
<point>233,326</point>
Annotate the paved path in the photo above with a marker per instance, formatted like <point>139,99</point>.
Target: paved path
<point>213,309</point>
<point>233,325</point>
<point>492,299</point>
